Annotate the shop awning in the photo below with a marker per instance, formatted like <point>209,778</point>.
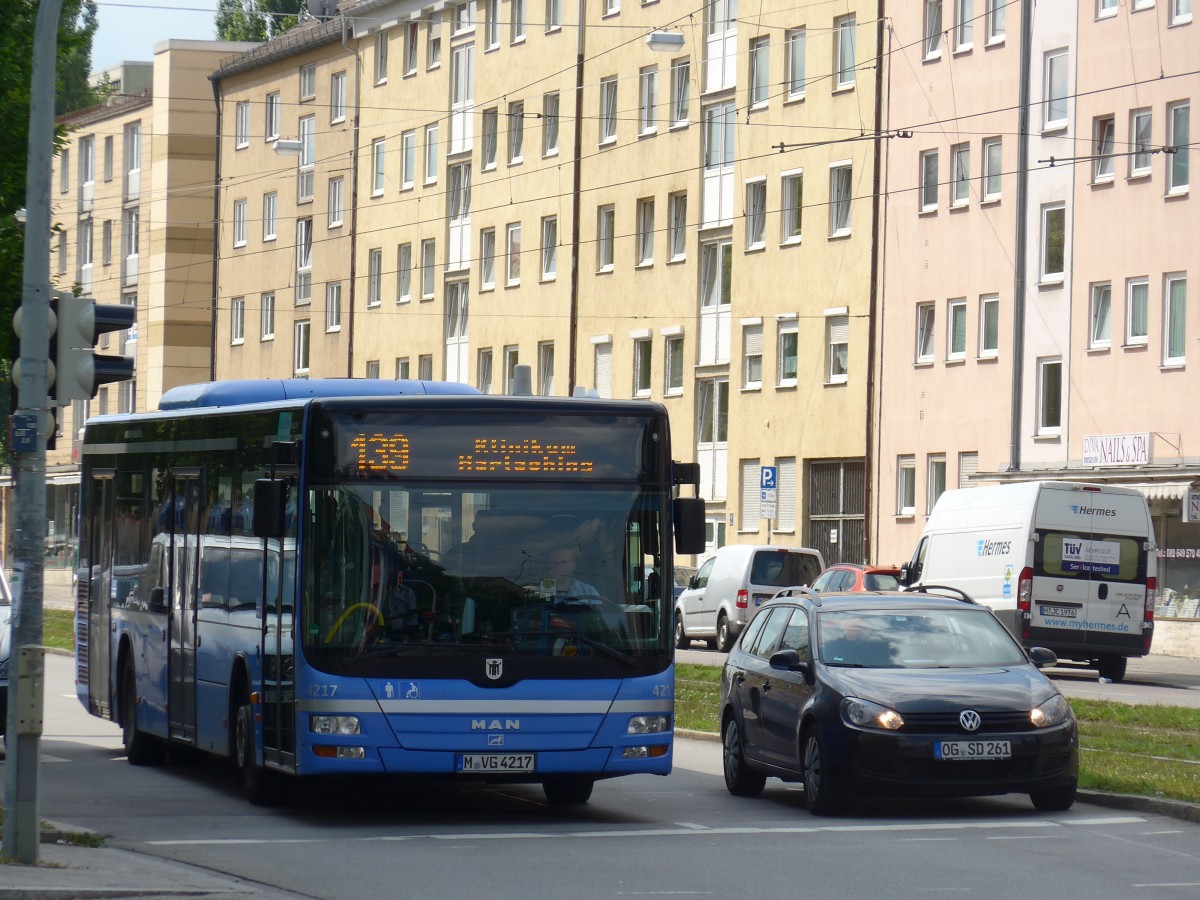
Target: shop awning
<point>1162,490</point>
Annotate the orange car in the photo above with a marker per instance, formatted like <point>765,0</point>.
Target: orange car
<point>853,577</point>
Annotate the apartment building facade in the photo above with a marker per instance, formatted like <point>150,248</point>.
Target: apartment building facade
<point>486,185</point>
<point>1036,290</point>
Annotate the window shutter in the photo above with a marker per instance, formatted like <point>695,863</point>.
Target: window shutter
<point>968,465</point>
<point>750,495</point>
<point>604,370</point>
<point>785,506</point>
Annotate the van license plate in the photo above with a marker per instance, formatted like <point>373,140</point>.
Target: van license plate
<point>1062,612</point>
<point>972,749</point>
<point>497,762</point>
<point>760,599</point>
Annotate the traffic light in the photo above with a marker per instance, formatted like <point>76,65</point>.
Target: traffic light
<point>79,370</point>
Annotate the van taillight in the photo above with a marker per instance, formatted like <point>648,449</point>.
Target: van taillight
<point>1148,615</point>
<point>743,599</point>
<point>1025,599</point>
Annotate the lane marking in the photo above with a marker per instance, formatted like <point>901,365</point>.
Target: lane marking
<point>1176,831</point>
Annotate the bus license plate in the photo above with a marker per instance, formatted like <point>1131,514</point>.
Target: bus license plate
<point>497,762</point>
<point>972,749</point>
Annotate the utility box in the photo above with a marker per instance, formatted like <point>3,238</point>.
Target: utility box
<point>30,688</point>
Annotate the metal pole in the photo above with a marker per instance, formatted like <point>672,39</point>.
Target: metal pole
<point>576,180</point>
<point>21,827</point>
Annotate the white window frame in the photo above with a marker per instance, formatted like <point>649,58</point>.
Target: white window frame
<point>843,52</point>
<point>491,135</point>
<point>1056,89</point>
<point>483,372</point>
<point>266,317</point>
<point>378,166</point>
<point>935,479</point>
<point>1050,213</point>
<point>681,88</point>
<point>931,42</point>
<point>643,358</point>
<point>645,231</point>
<point>337,98</point>
<point>795,40</point>
<point>273,106</point>
<point>1180,12</point>
<point>752,354</point>
<point>516,132</point>
<point>991,169</point>
<point>1106,9</point>
<point>926,321</point>
<point>792,203</point>
<point>517,23</point>
<point>337,193</point>
<point>487,259</point>
<point>956,329</point>
<point>546,368</point>
<point>239,223</point>
<point>237,320</point>
<point>1049,407</point>
<point>608,110</point>
<point>677,226</point>
<point>1100,316</point>
<point>837,347</point>
<point>374,277</point>
<point>333,306</point>
<point>994,14</point>
<point>755,213</point>
<point>308,82</point>
<point>1137,312</point>
<point>759,78</point>
<point>241,126</point>
<point>404,272</point>
<point>554,16</point>
<point>787,351</point>
<point>301,347</point>
<point>648,101</point>
<point>549,248</point>
<point>1174,311</point>
<point>408,159</point>
<point>431,153</point>
<point>1104,134</point>
<point>928,195</point>
<point>381,56</point>
<point>605,236</point>
<point>550,122</point>
<point>964,25</point>
<point>308,159</point>
<point>270,216</point>
<point>960,175</point>
<point>989,316</point>
<point>1178,164</point>
<point>1141,124</point>
<point>428,269</point>
<point>906,486</point>
<point>838,227</point>
<point>673,365</point>
<point>512,254</point>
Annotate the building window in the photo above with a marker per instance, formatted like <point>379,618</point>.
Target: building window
<point>605,230</point>
<point>673,365</point>
<point>428,272</point>
<point>241,126</point>
<point>336,193</point>
<point>964,24</point>
<point>411,37</point>
<point>378,161</point>
<point>1100,332</point>
<point>516,131</point>
<point>550,124</point>
<point>402,368</point>
<point>843,52</point>
<point>308,81</point>
<point>752,356</point>
<point>239,223</point>
<point>956,329</point>
<point>994,19</point>
<point>992,168</point>
<point>512,274</point>
<point>308,159</point>
<point>431,154</point>
<point>1181,12</point>
<point>643,349</point>
<point>487,258</point>
<point>935,480</point>
<point>108,158</point>
<point>677,226</point>
<point>648,100</point>
<point>425,367</point>
<point>795,40</point>
<point>837,352</point>
<point>839,199</point>
<point>645,231</point>
<point>1049,387</point>
<point>925,338</point>
<point>374,277</point>
<point>300,355</point>
<point>554,15</point>
<point>929,180</point>
<point>404,264</point>
<point>989,327</point>
<point>237,320</point>
<point>1054,222</point>
<point>760,71</point>
<point>960,172</point>
<point>517,14</point>
<point>681,87</point>
<point>1178,116</point>
<point>1174,320</point>
<point>611,7</point>
<point>408,159</point>
<point>906,486</point>
<point>487,158</point>
<point>483,373</point>
<point>372,369</point>
<point>608,109</point>
<point>1140,121</point>
<point>787,351</point>
<point>549,248</point>
<point>792,191</point>
<point>266,329</point>
<point>933,29</point>
<point>270,215</point>
<point>433,46</point>
<point>756,214</point>
<point>511,359</point>
<point>337,97</point>
<point>272,107</point>
<point>1103,133</point>
<point>381,57</point>
<point>491,37</point>
<point>1137,306</point>
<point>968,465</point>
<point>106,243</point>
<point>304,235</point>
<point>1055,89</point>
<point>333,306</point>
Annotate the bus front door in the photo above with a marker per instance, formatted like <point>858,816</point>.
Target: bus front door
<point>96,570</point>
<point>181,690</point>
<point>278,649</point>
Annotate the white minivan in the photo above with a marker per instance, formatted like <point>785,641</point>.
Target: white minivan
<point>727,589</point>
<point>1064,565</point>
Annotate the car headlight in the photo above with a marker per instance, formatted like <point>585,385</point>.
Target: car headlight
<point>648,724</point>
<point>334,725</point>
<point>1054,711</point>
<point>865,714</point>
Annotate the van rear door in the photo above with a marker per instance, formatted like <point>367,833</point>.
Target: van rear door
<point>1089,574</point>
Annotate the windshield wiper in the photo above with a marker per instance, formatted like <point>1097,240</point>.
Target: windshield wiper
<point>577,635</point>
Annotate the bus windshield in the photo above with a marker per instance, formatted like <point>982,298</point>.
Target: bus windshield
<point>566,581</point>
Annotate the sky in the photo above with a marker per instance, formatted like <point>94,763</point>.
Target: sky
<point>129,29</point>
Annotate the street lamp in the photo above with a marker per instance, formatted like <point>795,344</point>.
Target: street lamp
<point>287,147</point>
<point>665,41</point>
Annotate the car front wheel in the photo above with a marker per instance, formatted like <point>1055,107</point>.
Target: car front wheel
<point>821,791</point>
<point>741,780</point>
<point>1056,800</point>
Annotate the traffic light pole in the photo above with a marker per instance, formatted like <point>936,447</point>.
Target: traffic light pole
<point>21,821</point>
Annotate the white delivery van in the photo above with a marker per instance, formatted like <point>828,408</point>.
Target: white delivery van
<point>728,587</point>
<point>1068,566</point>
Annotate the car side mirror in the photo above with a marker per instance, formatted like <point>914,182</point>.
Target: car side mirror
<point>789,661</point>
<point>905,579</point>
<point>1041,657</point>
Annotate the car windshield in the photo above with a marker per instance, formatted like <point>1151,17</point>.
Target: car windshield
<point>967,637</point>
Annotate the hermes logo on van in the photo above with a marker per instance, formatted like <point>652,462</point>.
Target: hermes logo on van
<point>985,547</point>
<point>1092,511</point>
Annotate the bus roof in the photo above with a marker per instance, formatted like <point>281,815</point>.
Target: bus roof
<point>268,390</point>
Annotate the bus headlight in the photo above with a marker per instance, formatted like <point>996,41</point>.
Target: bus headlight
<point>334,725</point>
<point>648,725</point>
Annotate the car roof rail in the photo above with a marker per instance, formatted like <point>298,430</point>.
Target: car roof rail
<point>796,589</point>
<point>955,593</point>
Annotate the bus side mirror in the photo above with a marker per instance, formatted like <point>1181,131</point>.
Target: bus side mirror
<point>689,524</point>
<point>270,507</point>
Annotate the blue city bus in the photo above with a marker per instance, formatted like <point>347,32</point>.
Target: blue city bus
<point>361,577</point>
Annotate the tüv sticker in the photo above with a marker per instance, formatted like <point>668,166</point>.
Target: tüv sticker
<point>1094,557</point>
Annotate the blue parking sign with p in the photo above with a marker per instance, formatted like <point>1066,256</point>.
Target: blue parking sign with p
<point>768,477</point>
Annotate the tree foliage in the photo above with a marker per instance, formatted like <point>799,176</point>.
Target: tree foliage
<point>256,20</point>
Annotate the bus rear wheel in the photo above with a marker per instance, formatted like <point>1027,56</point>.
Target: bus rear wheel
<point>141,749</point>
<point>568,790</point>
<point>261,786</point>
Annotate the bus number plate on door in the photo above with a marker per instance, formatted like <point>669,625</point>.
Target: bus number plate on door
<point>497,762</point>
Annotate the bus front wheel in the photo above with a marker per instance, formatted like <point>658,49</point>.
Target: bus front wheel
<point>568,790</point>
<point>260,785</point>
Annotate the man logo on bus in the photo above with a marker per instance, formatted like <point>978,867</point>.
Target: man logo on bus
<point>495,668</point>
